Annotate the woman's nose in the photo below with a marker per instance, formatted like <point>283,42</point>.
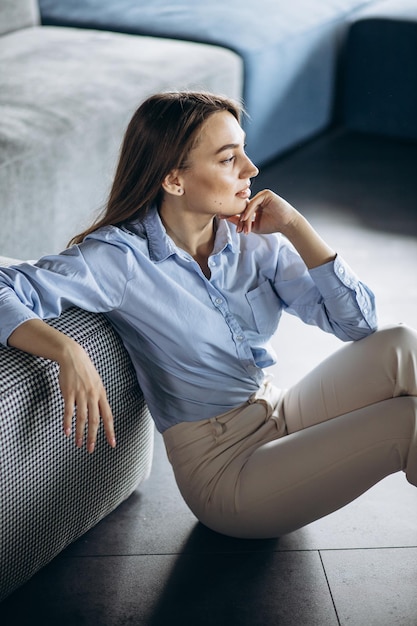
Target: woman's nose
<point>249,170</point>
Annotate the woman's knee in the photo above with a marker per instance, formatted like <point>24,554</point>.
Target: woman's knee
<point>395,350</point>
<point>398,336</point>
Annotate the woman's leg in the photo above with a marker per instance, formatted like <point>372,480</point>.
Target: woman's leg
<point>301,477</point>
<point>379,367</point>
<point>348,428</point>
<point>243,476</point>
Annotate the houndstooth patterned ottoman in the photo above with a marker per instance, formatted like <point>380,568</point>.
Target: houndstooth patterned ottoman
<point>51,491</point>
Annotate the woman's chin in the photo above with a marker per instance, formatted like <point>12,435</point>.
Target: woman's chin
<point>233,213</point>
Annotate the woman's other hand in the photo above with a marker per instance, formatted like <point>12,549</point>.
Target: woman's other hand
<point>80,383</point>
<point>82,389</point>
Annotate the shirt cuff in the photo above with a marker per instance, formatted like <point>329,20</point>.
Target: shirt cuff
<point>333,276</point>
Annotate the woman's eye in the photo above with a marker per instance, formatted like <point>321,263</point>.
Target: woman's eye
<point>229,160</point>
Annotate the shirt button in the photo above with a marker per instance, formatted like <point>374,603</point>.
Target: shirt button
<point>212,263</point>
<point>341,270</point>
<point>239,338</point>
<point>218,300</point>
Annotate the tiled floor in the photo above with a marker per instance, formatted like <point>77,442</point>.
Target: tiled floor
<point>150,563</point>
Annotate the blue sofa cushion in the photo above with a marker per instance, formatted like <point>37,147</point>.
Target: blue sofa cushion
<point>289,51</point>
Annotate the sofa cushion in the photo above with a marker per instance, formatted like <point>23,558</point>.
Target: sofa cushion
<point>65,101</point>
<point>289,48</point>
<point>17,14</point>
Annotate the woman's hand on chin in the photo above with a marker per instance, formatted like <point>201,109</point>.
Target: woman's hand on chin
<point>265,213</point>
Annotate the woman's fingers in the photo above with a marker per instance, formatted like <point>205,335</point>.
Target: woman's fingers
<point>69,403</point>
<point>83,393</point>
<point>266,213</point>
<point>93,425</point>
<point>251,214</point>
<point>89,415</point>
<point>98,411</point>
<point>81,421</point>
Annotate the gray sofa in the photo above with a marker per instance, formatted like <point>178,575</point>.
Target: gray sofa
<point>66,96</point>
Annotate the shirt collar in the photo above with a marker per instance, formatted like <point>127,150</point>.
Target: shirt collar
<point>161,245</point>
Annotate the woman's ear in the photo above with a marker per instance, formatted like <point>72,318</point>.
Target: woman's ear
<point>172,183</point>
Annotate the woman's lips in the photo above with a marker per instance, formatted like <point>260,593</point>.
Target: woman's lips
<point>244,193</point>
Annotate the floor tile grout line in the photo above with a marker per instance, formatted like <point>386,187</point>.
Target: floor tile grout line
<point>367,548</point>
<point>329,588</point>
<point>232,552</point>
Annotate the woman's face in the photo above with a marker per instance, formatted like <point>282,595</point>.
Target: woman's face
<point>217,181</point>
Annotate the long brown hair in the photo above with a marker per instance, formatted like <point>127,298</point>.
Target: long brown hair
<point>158,139</point>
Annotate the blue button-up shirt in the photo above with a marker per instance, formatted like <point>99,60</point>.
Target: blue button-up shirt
<point>199,346</point>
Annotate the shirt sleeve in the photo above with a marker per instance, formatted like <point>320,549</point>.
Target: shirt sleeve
<point>330,296</point>
<point>92,276</point>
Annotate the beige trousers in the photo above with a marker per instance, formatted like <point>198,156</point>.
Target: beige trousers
<point>287,458</point>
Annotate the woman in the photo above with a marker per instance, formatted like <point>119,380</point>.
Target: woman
<point>194,275</point>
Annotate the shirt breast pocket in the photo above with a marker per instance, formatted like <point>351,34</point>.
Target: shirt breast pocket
<point>266,308</point>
